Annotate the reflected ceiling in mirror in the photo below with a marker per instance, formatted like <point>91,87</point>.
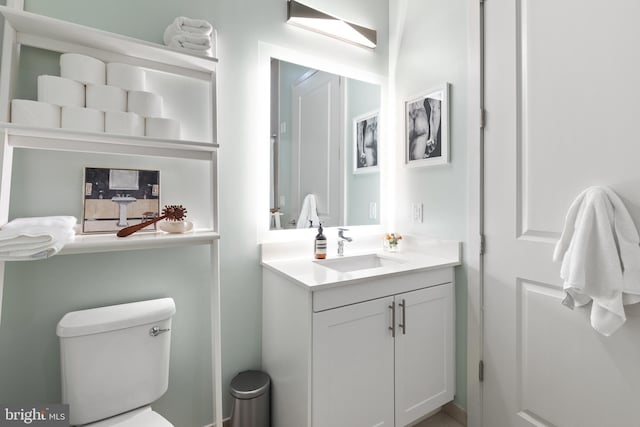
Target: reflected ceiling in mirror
<point>324,149</point>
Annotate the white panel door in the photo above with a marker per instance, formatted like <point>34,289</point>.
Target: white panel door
<point>562,92</point>
<point>316,140</point>
<point>353,366</point>
<point>424,353</point>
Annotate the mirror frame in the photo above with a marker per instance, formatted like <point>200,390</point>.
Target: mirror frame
<point>266,53</point>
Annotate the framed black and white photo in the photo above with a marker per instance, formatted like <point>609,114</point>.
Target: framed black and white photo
<point>427,128</point>
<point>117,198</point>
<point>365,143</point>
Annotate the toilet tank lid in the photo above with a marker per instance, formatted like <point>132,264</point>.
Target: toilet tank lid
<point>114,317</point>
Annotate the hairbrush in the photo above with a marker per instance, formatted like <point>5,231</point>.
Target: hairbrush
<point>170,212</point>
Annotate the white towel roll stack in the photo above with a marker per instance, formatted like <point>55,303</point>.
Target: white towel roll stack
<point>82,119</point>
<point>124,123</point>
<point>106,98</point>
<point>60,91</point>
<point>146,104</point>
<point>82,68</point>
<point>162,128</point>
<point>34,113</point>
<point>125,76</point>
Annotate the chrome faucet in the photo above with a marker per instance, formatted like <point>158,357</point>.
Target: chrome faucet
<point>342,239</point>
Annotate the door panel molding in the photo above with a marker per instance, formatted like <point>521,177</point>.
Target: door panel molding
<point>524,229</point>
<point>524,287</point>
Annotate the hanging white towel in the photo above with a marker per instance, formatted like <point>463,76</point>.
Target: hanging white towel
<point>26,239</point>
<point>600,253</point>
<point>309,212</point>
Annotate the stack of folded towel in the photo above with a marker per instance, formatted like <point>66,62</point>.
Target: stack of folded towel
<point>195,36</point>
<point>25,239</point>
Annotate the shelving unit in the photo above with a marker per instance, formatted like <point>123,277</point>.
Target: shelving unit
<point>28,29</point>
<point>18,136</point>
<point>94,243</point>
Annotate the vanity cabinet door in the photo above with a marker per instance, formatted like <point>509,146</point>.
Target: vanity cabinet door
<point>424,352</point>
<point>353,365</point>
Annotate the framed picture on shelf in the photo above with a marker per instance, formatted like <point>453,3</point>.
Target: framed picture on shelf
<point>118,198</point>
<point>427,127</point>
<point>365,143</point>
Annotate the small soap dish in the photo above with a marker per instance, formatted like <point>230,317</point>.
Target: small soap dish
<point>176,226</point>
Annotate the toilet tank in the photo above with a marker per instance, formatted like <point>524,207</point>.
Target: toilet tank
<point>111,359</point>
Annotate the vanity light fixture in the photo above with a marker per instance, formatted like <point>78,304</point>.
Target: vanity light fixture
<point>307,17</point>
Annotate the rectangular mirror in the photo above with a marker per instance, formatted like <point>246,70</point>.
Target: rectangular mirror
<point>324,149</point>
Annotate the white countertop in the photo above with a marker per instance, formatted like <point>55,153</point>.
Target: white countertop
<point>312,275</point>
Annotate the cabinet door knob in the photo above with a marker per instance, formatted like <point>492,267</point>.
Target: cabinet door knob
<point>403,325</point>
<point>392,328</point>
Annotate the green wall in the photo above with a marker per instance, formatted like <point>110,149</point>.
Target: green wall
<point>37,294</point>
<point>431,50</point>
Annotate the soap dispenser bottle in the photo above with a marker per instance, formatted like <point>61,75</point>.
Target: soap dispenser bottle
<point>320,250</point>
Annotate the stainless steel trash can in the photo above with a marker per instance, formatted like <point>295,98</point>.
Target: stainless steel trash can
<point>251,399</point>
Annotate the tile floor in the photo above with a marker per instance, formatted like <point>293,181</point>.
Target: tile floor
<point>439,420</point>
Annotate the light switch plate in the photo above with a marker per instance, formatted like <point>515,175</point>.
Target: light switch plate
<point>416,213</point>
<point>373,210</point>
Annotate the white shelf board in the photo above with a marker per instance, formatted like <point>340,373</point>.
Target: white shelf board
<point>87,142</point>
<point>94,243</point>
<point>63,36</point>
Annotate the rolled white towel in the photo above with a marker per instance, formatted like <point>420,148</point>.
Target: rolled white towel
<point>25,239</point>
<point>182,25</point>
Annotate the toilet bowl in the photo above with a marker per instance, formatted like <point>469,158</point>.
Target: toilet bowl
<point>115,363</point>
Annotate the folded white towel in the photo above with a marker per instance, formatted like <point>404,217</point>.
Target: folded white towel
<point>600,252</point>
<point>26,239</point>
<point>309,212</point>
<point>191,42</point>
<point>182,25</point>
<point>194,51</point>
<point>192,25</point>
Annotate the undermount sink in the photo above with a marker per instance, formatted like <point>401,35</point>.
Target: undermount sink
<point>355,263</point>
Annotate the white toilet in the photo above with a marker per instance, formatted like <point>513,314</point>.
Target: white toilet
<point>115,362</point>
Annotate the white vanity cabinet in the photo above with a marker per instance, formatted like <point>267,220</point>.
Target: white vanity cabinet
<point>424,352</point>
<point>386,359</point>
<point>353,365</point>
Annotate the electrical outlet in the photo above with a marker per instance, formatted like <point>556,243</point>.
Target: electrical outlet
<point>282,201</point>
<point>373,210</point>
<point>283,128</point>
<point>416,213</point>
